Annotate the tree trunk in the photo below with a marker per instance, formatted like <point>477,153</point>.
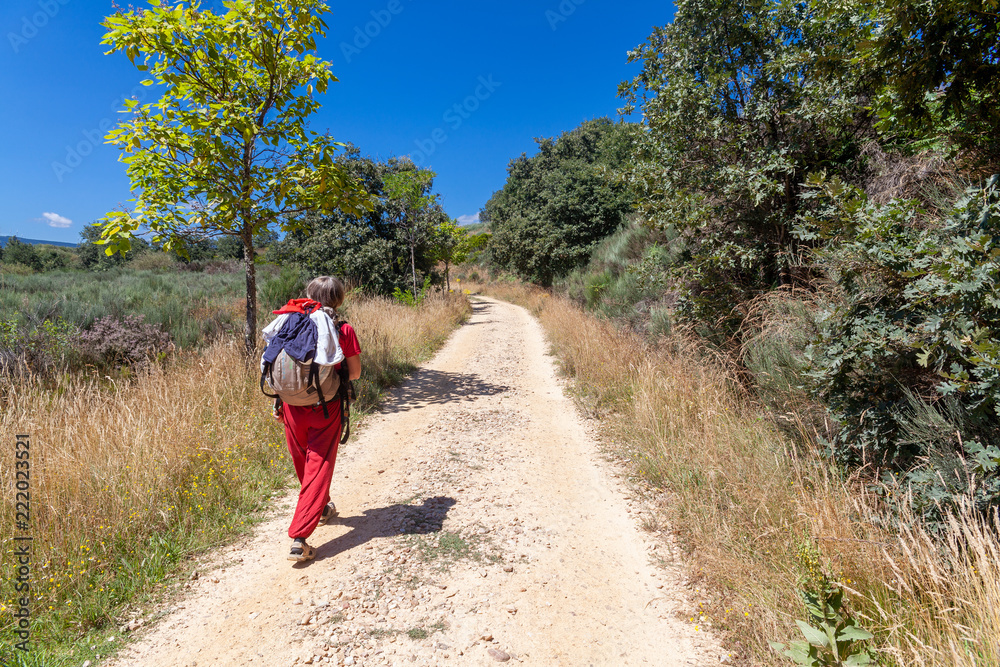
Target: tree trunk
<point>447,279</point>
<point>413,264</point>
<point>250,331</point>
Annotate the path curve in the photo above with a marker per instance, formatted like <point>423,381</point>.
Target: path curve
<point>479,524</point>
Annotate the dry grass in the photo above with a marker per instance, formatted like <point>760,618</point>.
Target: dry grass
<point>746,502</point>
<point>128,477</point>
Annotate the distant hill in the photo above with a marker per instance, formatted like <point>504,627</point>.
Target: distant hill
<point>3,242</point>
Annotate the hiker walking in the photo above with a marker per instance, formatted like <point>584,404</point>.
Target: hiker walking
<point>309,360</point>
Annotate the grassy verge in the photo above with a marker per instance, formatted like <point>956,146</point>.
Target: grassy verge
<point>193,307</point>
<point>763,516</point>
<point>131,478</point>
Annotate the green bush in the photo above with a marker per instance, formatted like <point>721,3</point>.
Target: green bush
<point>275,291</point>
<point>407,298</point>
<point>25,254</point>
<point>44,348</point>
<point>909,363</point>
<point>558,205</point>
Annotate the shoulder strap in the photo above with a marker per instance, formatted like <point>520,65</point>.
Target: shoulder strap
<point>263,374</point>
<point>344,393</point>
<point>314,379</point>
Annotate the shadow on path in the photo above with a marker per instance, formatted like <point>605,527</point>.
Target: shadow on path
<point>480,308</point>
<point>430,387</point>
<point>388,521</point>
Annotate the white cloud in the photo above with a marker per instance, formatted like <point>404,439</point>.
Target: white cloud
<point>56,220</point>
<point>468,219</point>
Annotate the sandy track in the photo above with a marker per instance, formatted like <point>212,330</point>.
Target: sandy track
<point>479,524</point>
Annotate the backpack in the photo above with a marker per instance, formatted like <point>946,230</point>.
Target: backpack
<point>300,374</point>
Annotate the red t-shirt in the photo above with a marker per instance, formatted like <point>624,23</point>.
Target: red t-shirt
<point>349,342</point>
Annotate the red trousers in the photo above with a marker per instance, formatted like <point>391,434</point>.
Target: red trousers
<point>312,442</point>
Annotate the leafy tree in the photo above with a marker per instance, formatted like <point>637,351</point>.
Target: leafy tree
<point>557,205</point>
<point>909,361</point>
<point>410,189</point>
<point>939,64</point>
<point>736,113</point>
<point>368,249</point>
<point>452,244</point>
<point>19,252</point>
<point>225,149</point>
<point>92,255</point>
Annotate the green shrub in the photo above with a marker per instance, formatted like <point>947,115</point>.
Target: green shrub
<point>40,349</point>
<point>56,258</point>
<point>19,252</point>
<point>909,364</point>
<point>13,269</point>
<point>153,261</point>
<point>407,298</point>
<point>275,291</point>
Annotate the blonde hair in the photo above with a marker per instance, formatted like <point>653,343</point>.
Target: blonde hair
<point>328,290</point>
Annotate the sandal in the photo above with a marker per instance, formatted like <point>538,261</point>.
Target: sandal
<point>329,514</point>
<point>301,551</point>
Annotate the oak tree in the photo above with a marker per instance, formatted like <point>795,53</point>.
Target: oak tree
<point>225,149</point>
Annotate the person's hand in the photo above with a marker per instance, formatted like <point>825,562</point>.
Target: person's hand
<point>279,415</point>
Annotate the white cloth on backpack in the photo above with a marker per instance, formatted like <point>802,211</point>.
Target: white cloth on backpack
<point>328,350</point>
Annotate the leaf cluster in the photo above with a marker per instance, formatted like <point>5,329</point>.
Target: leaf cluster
<point>224,149</point>
<point>369,248</point>
<point>909,360</point>
<point>740,102</point>
<point>559,204</point>
<point>938,63</point>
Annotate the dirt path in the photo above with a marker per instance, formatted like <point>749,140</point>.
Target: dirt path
<point>479,524</point>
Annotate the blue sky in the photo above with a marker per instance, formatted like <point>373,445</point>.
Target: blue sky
<point>516,70</point>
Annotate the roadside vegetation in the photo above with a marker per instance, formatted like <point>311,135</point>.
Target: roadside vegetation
<point>132,475</point>
<point>793,326</point>
<point>781,286</point>
<point>762,513</point>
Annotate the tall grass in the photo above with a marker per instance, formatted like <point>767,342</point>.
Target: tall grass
<point>747,501</point>
<point>128,478</point>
